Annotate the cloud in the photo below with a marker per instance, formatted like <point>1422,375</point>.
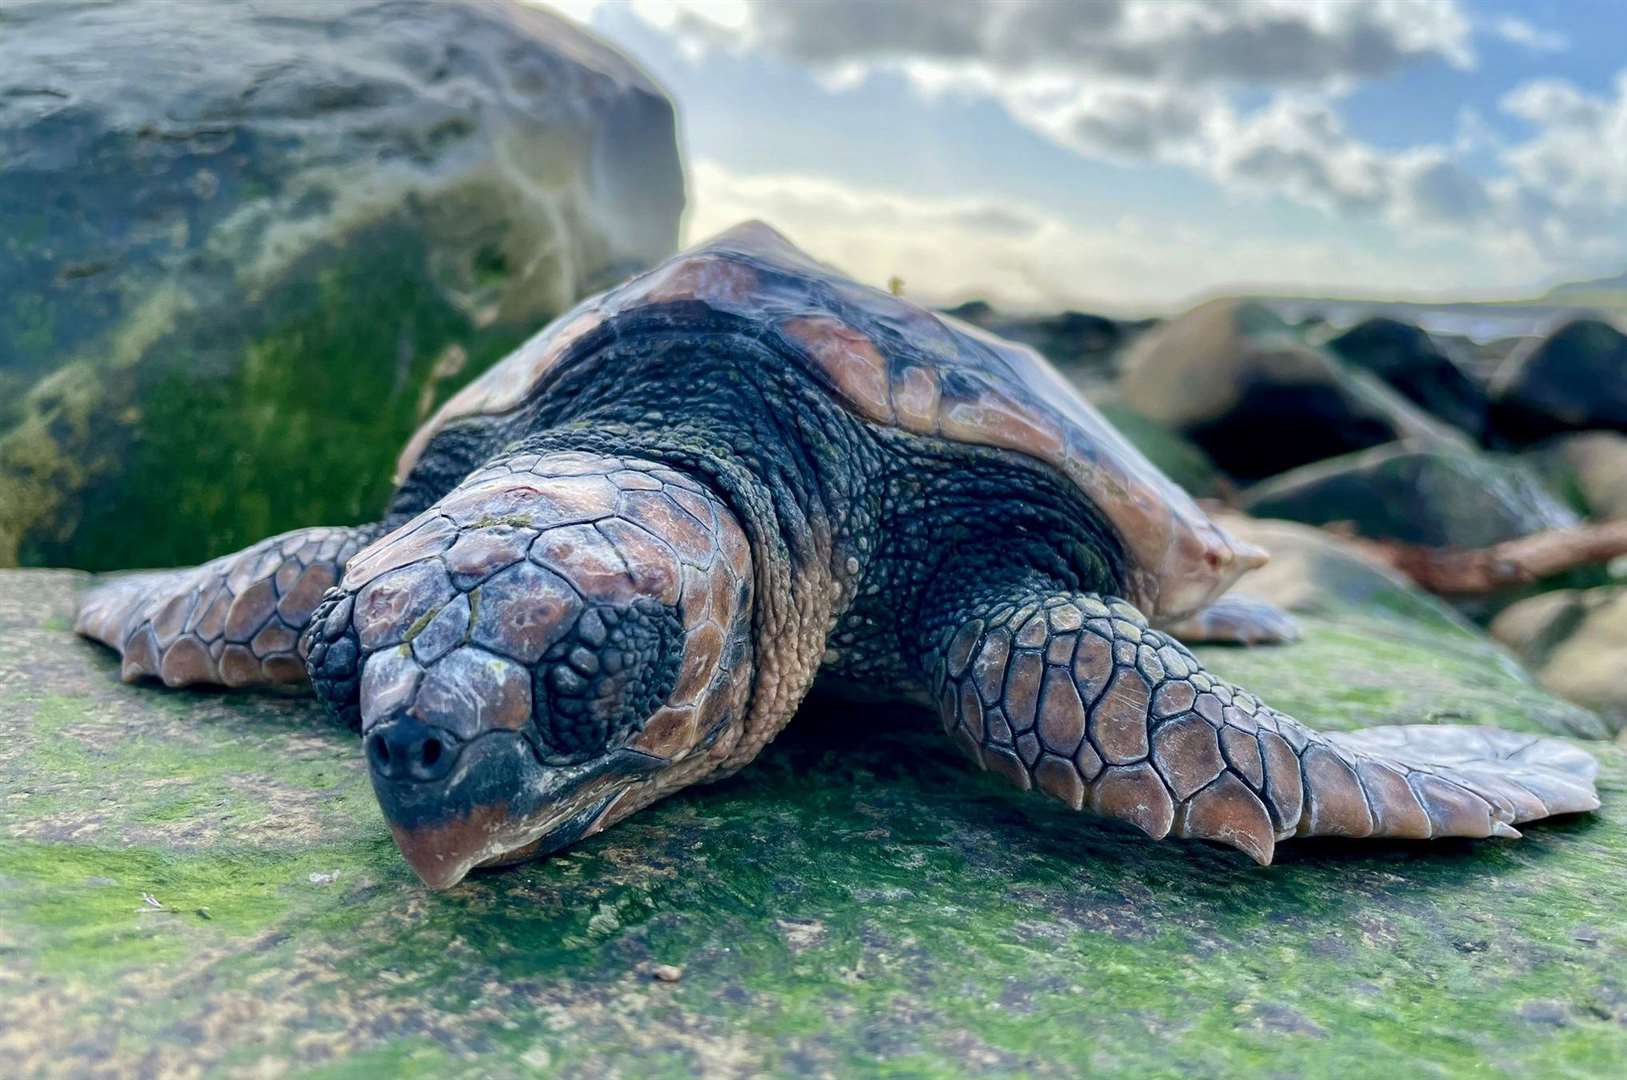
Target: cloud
<point>1519,32</point>
<point>1567,183</point>
<point>1244,92</point>
<point>1129,81</point>
<point>1194,42</point>
<point>947,250</point>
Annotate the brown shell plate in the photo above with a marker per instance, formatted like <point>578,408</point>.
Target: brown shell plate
<point>895,363</point>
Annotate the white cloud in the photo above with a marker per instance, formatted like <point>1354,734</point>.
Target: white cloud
<point>1520,32</point>
<point>1567,183</point>
<point>1194,42</point>
<point>1244,92</point>
<point>947,250</point>
<point>1128,80</point>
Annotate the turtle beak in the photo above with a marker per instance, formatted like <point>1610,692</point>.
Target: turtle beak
<point>488,802</point>
<point>441,855</point>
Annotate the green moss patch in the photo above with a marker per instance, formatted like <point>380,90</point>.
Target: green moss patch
<point>855,903</point>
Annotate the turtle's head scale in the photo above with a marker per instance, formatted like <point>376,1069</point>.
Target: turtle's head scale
<point>555,643</point>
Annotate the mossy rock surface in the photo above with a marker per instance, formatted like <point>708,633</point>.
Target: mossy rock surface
<point>200,883</point>
<point>229,295</point>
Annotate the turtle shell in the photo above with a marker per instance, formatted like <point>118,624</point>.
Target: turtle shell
<point>895,363</point>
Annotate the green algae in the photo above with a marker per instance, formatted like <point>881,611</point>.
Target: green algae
<point>214,437</point>
<point>855,903</point>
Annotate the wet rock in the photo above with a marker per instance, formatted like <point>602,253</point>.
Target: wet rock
<point>1419,367</point>
<point>1575,640</point>
<point>1571,380</point>
<point>1440,499</point>
<point>247,250</point>
<point>929,908</point>
<point>1588,469</point>
<point>1248,389</point>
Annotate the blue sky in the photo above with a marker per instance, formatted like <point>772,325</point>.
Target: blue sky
<point>1134,154</point>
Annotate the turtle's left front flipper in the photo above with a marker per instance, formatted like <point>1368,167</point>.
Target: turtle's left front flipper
<point>1074,694</point>
<point>234,621</point>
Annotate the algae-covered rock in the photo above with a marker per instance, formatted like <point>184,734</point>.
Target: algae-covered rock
<point>1379,650</point>
<point>244,250</point>
<point>1451,499</point>
<point>200,882</point>
<point>1248,389</point>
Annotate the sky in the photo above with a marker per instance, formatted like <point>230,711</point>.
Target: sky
<point>1134,155</point>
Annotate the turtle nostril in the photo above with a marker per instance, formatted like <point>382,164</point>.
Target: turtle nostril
<point>406,749</point>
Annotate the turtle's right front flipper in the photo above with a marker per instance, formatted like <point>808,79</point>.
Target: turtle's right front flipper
<point>234,621</point>
<point>1074,694</point>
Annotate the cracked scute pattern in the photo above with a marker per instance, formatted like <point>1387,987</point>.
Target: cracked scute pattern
<point>235,621</point>
<point>1188,755</point>
<point>570,597</point>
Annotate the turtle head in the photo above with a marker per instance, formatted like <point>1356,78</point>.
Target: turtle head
<point>553,645</point>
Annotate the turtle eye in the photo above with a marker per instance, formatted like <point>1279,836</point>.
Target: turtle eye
<point>598,686</point>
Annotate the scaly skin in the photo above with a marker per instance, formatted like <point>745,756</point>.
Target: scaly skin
<point>560,605</point>
<point>1073,694</point>
<point>234,621</point>
<point>624,555</point>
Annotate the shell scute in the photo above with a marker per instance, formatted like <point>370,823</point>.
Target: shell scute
<point>895,363</point>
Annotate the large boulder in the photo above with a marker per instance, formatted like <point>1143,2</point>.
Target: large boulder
<point>245,247</point>
<point>1440,499</point>
<point>1420,368</point>
<point>1575,640</point>
<point>1589,469</point>
<point>1571,380</point>
<point>199,883</point>
<point>1242,384</point>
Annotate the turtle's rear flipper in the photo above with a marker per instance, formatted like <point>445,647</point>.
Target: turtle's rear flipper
<point>233,621</point>
<point>1075,695</point>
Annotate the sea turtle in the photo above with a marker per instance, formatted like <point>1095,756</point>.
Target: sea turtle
<point>617,562</point>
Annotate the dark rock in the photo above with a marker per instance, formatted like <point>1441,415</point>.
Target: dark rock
<point>1571,380</point>
<point>1070,339</point>
<point>246,247</point>
<point>1417,366</point>
<point>1441,499</point>
<point>1239,382</point>
<point>1589,469</point>
<point>976,312</point>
